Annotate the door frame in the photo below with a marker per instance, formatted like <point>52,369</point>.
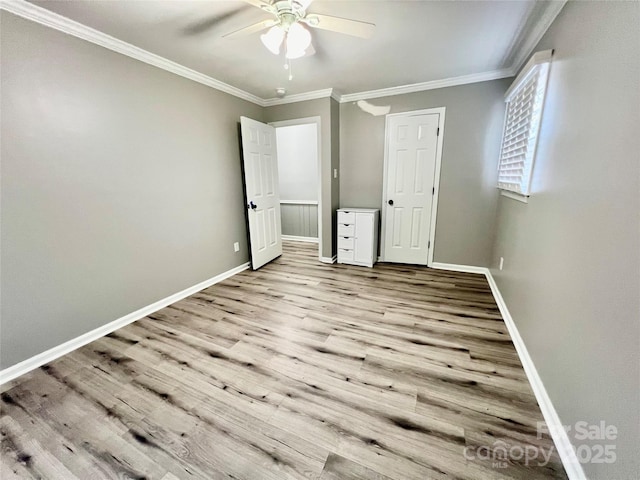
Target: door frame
<point>436,180</point>
<point>307,121</point>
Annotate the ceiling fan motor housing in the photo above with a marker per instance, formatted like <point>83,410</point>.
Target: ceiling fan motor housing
<point>288,12</point>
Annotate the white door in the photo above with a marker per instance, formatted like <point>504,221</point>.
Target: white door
<point>262,191</point>
<point>412,144</point>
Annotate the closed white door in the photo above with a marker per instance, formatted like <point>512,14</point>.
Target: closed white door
<point>262,191</point>
<point>412,142</point>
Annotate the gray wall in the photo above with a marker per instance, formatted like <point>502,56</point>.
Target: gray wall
<point>120,185</point>
<point>571,275</point>
<point>315,108</point>
<point>468,195</point>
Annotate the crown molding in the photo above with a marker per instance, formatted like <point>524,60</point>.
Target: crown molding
<point>518,35</point>
<point>53,20</point>
<point>299,97</point>
<point>336,95</point>
<point>534,35</point>
<point>419,87</point>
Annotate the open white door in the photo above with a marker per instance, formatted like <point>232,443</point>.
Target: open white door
<point>410,184</point>
<point>262,191</point>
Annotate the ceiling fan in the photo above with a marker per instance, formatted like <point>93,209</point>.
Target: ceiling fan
<point>288,26</point>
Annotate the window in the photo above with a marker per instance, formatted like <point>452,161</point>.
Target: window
<point>525,100</point>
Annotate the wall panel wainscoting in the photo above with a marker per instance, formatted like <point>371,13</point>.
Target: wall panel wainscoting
<point>299,219</point>
<point>299,370</point>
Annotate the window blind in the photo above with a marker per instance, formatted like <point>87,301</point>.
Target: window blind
<point>525,100</point>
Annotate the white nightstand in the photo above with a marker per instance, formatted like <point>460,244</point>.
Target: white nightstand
<point>358,236</point>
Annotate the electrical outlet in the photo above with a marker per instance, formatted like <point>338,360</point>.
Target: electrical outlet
<point>501,262</point>
<point>236,247</point>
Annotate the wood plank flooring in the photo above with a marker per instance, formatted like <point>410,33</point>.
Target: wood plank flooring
<point>298,370</point>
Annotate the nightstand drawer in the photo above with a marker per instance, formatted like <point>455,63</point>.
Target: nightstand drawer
<point>346,230</point>
<point>347,217</point>
<point>346,243</point>
<point>345,255</point>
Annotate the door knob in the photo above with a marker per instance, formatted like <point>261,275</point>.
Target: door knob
<point>252,205</point>
<point>390,202</point>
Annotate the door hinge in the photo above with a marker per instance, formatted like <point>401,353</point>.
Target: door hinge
<point>438,132</point>
<point>433,191</point>
<point>428,244</point>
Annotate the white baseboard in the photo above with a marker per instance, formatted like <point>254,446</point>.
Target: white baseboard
<point>329,259</point>
<point>565,448</point>
<point>47,356</point>
<point>560,437</point>
<point>295,238</point>
<point>452,267</point>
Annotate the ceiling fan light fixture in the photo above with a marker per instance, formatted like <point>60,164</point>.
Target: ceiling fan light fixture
<point>293,54</point>
<point>298,40</point>
<point>273,39</point>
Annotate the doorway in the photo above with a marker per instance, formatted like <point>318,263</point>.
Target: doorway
<point>298,145</point>
<point>413,153</point>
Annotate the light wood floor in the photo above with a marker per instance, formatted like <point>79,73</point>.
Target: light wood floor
<point>298,370</point>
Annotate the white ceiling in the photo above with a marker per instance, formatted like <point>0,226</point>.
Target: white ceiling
<point>414,41</point>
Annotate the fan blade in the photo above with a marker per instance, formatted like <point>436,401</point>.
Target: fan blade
<point>340,25</point>
<point>256,27</point>
<point>263,5</point>
<point>303,3</point>
<point>208,23</point>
